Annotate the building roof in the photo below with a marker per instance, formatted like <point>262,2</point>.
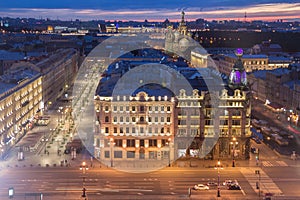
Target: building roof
<point>15,78</point>
<point>248,56</point>
<point>7,55</point>
<point>261,74</point>
<point>197,78</point>
<point>281,59</point>
<point>280,71</point>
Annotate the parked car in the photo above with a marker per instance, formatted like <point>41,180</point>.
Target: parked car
<point>229,182</point>
<point>212,184</point>
<point>234,187</point>
<point>200,187</point>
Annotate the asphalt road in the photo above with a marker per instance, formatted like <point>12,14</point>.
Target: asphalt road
<point>67,183</point>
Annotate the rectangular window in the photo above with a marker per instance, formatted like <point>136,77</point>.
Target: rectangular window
<point>209,122</point>
<point>156,108</point>
<point>149,119</point>
<point>150,130</point>
<point>152,143</point>
<point>106,108</point>
<point>127,119</point>
<point>150,108</point>
<point>127,108</point>
<point>236,122</point>
<point>133,108</point>
<point>142,130</point>
<point>152,155</point>
<point>162,119</point>
<point>106,130</point>
<point>115,130</point>
<point>162,109</point>
<point>163,142</point>
<point>130,142</point>
<point>168,119</point>
<point>121,129</point>
<point>121,108</point>
<point>142,143</point>
<point>130,154</point>
<point>117,154</point>
<point>224,122</point>
<point>106,154</point>
<point>195,122</point>
<point>118,142</point>
<point>115,108</point>
<point>133,119</point>
<point>133,129</point>
<point>181,122</point>
<point>121,119</point>
<point>115,119</point>
<point>156,119</point>
<point>127,129</point>
<point>168,108</point>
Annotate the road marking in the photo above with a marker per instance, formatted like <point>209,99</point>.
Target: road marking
<point>243,192</point>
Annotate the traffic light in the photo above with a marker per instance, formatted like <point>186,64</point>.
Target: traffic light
<point>83,192</point>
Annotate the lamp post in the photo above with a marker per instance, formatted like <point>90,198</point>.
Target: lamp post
<point>111,143</point>
<point>218,168</point>
<point>83,168</point>
<point>233,143</point>
<point>258,182</point>
<point>44,139</point>
<point>169,145</point>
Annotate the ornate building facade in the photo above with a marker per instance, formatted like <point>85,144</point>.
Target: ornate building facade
<point>152,124</point>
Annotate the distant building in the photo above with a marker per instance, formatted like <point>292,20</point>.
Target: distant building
<point>59,72</point>
<point>250,62</point>
<point>266,47</point>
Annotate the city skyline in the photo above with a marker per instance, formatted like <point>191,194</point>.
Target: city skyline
<point>154,11</point>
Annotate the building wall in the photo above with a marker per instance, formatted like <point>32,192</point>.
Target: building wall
<point>134,128</point>
<point>59,72</point>
<point>250,64</point>
<point>193,118</point>
<point>18,107</point>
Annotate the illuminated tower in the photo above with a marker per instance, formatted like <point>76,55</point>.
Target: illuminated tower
<point>238,77</point>
<point>182,29</point>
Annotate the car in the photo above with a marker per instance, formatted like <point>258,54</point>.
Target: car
<point>234,187</point>
<point>200,187</point>
<point>212,184</point>
<point>228,182</point>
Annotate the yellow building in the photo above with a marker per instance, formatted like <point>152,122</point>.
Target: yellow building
<point>20,101</point>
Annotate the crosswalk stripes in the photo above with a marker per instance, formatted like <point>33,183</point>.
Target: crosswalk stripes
<point>266,183</point>
<point>274,163</point>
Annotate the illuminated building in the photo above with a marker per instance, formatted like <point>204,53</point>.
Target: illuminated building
<point>20,101</point>
<point>155,124</point>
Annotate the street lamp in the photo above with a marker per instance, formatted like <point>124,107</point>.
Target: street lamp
<point>233,143</point>
<point>83,168</point>
<point>169,145</point>
<point>258,182</point>
<point>218,168</point>
<point>44,139</point>
<point>112,143</point>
